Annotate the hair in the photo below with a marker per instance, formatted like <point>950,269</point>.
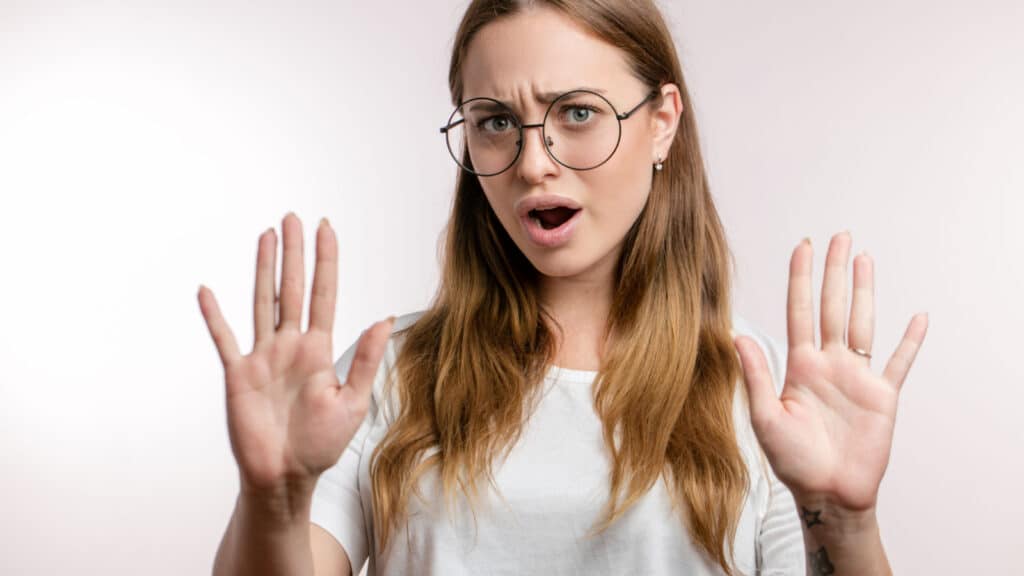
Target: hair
<point>472,363</point>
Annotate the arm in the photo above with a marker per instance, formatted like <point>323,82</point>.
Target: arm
<point>840,541</point>
<point>260,540</point>
<point>263,541</point>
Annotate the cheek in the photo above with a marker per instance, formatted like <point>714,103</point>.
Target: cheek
<point>620,188</point>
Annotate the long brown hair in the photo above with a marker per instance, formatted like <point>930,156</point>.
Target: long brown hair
<point>470,366</point>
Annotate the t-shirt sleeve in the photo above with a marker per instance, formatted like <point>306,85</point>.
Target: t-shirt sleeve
<point>781,539</point>
<point>337,506</point>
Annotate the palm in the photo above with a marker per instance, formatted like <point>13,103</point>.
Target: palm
<point>289,418</point>
<point>283,416</point>
<point>830,432</point>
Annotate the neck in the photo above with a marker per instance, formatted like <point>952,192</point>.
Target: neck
<point>580,305</point>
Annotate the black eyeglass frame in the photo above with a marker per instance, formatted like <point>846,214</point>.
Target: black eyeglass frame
<point>544,137</point>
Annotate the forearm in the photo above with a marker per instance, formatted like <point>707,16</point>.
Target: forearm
<point>266,539</point>
<point>841,542</point>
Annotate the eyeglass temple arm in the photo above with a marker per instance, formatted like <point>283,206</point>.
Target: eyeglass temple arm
<point>445,129</point>
<point>647,99</point>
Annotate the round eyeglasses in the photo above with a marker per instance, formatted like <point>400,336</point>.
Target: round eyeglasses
<point>581,130</point>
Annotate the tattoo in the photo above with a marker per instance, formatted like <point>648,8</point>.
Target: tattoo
<point>811,517</point>
<point>819,563</point>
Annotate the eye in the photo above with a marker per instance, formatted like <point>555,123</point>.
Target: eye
<point>495,124</point>
<point>578,114</point>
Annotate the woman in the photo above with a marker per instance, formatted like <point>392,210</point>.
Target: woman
<point>569,403</point>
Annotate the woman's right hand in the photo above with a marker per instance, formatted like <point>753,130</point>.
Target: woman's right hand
<point>289,417</point>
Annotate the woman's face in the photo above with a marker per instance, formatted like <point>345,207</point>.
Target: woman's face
<point>516,59</point>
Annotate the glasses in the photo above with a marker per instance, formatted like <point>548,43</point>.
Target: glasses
<point>581,130</point>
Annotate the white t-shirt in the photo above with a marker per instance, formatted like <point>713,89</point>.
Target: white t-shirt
<point>554,483</point>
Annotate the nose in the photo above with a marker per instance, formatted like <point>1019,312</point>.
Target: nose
<point>535,162</point>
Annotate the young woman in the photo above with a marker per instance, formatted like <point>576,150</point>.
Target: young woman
<point>570,402</point>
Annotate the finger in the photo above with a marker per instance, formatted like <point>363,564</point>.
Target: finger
<point>223,339</point>
<point>833,291</point>
<point>800,304</point>
<point>292,273</point>
<point>325,280</point>
<point>263,301</point>
<point>363,370</point>
<point>862,311</point>
<point>764,403</point>
<point>899,365</point>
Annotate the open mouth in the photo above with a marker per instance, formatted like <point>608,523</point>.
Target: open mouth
<point>552,218</point>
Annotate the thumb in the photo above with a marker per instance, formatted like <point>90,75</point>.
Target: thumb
<point>368,354</point>
<point>764,404</point>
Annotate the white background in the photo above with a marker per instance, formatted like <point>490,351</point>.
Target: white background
<point>145,145</point>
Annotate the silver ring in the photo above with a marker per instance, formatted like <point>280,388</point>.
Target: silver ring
<point>860,352</point>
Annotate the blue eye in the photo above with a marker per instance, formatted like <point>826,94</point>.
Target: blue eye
<point>499,123</point>
<point>578,113</point>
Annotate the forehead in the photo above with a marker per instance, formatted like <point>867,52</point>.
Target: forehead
<point>540,50</point>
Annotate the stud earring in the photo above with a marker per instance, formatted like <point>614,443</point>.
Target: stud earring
<point>660,165</point>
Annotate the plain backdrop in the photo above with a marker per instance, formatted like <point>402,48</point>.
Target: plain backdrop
<point>145,145</point>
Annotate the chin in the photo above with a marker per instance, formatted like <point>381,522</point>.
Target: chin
<point>566,263</point>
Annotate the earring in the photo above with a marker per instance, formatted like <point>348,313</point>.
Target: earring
<point>659,165</point>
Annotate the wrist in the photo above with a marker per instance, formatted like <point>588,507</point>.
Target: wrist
<point>279,507</point>
<point>824,513</point>
<point>840,539</point>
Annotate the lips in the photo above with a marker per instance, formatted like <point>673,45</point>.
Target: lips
<point>546,202</point>
<point>562,215</point>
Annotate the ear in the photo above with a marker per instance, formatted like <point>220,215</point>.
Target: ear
<point>665,121</point>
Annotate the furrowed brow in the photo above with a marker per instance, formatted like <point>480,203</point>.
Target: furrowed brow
<point>549,97</point>
<point>486,107</point>
<point>543,97</point>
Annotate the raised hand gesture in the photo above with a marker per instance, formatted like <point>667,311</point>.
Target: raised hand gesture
<point>828,436</point>
<point>289,418</point>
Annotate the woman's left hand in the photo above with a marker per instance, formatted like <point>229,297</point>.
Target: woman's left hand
<point>829,434</point>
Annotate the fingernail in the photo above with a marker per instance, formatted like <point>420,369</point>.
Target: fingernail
<point>324,222</point>
<point>807,240</point>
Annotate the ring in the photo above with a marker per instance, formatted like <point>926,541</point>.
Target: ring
<point>860,352</point>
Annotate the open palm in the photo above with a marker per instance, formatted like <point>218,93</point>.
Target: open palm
<point>289,417</point>
<point>830,432</point>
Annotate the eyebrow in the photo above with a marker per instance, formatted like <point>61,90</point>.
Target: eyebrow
<point>486,107</point>
<point>549,97</point>
<point>543,97</point>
